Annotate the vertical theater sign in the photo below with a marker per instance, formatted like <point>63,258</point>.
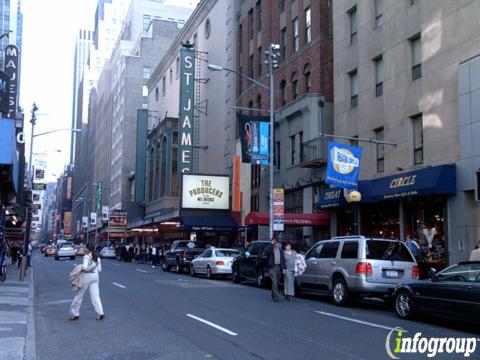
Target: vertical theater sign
<point>11,69</point>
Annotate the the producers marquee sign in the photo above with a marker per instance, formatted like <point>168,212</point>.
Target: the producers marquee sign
<point>205,192</point>
<point>185,123</point>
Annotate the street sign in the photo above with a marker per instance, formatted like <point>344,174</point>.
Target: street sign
<point>36,206</point>
<point>39,173</point>
<point>278,210</point>
<point>39,186</point>
<point>99,195</point>
<point>105,211</point>
<point>93,219</point>
<point>85,221</point>
<point>35,218</point>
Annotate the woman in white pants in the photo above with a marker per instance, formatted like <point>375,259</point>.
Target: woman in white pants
<point>91,267</point>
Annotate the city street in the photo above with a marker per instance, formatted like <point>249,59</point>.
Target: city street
<point>151,314</point>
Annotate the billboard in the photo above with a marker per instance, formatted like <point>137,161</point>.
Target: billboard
<point>67,223</point>
<point>11,70</point>
<point>343,165</point>
<point>118,220</point>
<point>254,138</point>
<point>205,192</point>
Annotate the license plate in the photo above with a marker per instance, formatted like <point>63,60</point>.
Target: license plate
<point>391,273</point>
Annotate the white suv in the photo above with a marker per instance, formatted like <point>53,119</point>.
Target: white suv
<point>65,249</point>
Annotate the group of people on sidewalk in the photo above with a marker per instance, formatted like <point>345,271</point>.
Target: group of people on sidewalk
<point>144,253</point>
<point>16,254</point>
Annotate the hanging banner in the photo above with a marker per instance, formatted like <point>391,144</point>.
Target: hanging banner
<point>236,194</point>
<point>67,223</point>
<point>105,211</point>
<point>85,221</point>
<point>69,188</point>
<point>343,165</point>
<point>278,210</point>
<point>99,195</point>
<point>254,138</point>
<point>185,114</point>
<point>11,69</point>
<point>93,219</point>
<point>4,88</point>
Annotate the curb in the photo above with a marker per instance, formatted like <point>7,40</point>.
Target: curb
<point>30,347</point>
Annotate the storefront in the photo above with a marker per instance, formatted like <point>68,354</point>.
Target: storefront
<point>411,204</point>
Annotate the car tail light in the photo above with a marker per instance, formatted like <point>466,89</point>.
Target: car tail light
<point>219,262</point>
<point>364,268</point>
<point>415,272</point>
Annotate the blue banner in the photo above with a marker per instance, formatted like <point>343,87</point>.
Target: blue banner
<point>343,165</point>
<point>254,138</point>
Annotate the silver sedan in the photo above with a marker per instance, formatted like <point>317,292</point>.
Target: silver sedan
<point>213,262</point>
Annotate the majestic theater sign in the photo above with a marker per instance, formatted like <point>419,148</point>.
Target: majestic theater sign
<point>205,192</point>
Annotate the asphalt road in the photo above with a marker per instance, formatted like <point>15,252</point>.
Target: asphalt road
<point>151,314</point>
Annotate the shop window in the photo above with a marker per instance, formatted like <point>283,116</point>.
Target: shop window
<point>379,135</point>
<point>417,123</point>
<point>416,46</point>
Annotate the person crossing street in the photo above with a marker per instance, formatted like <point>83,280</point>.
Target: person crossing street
<point>275,266</point>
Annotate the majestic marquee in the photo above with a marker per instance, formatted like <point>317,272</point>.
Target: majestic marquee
<point>185,114</point>
<point>205,192</point>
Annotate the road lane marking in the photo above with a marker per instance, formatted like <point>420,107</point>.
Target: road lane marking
<point>218,327</point>
<point>56,302</point>
<point>120,286</point>
<point>116,264</point>
<point>142,271</point>
<point>355,320</point>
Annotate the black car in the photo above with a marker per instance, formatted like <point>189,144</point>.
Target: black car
<point>180,255</point>
<point>452,293</point>
<point>251,264</point>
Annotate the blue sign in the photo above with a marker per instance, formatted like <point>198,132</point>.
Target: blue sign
<point>343,165</point>
<point>254,138</point>
<point>7,141</point>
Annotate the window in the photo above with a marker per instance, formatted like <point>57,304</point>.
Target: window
<point>250,66</point>
<point>300,140</point>
<point>349,250</point>
<point>417,122</point>
<point>146,73</point>
<point>352,13</point>
<point>315,251</point>
<point>416,45</point>
<point>283,43</point>
<point>329,250</point>
<point>296,44</point>
<point>461,272</point>
<point>307,71</point>
<point>308,25</point>
<point>164,167</point>
<point>379,135</point>
<point>157,172</point>
<point>259,15</point>
<point>276,158</point>
<point>353,88</point>
<point>177,66</point>
<point>156,93</point>
<point>259,62</point>
<point>295,85</point>
<point>259,101</point>
<point>164,86</point>
<point>208,28</point>
<point>378,13</point>
<point>250,107</point>
<point>145,106</point>
<point>250,24</point>
<point>146,22</point>
<point>354,142</point>
<point>387,250</point>
<point>378,76</point>
<point>292,150</point>
<point>294,201</point>
<point>282,5</point>
<point>171,75</point>
<point>144,90</point>
<point>283,92</point>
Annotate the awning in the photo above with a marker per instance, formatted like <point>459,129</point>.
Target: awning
<point>332,198</point>
<point>318,219</point>
<point>208,223</point>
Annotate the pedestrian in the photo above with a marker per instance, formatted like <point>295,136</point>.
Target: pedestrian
<point>413,246</point>
<point>13,254</point>
<point>154,256</point>
<point>275,266</point>
<point>19,257</point>
<point>29,254</point>
<point>131,253</point>
<point>290,257</point>
<point>91,266</point>
<point>475,254</point>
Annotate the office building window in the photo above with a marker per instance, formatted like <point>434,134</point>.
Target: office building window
<point>250,66</point>
<point>378,13</point>
<point>144,90</point>
<point>283,43</point>
<point>282,5</point>
<point>146,73</point>
<point>250,24</point>
<point>300,140</point>
<point>259,15</point>
<point>307,72</point>
<point>352,14</point>
<point>292,150</point>
<point>296,44</point>
<point>164,86</point>
<point>259,101</point>
<point>354,142</point>
<point>171,75</point>
<point>308,25</point>
<point>417,122</point>
<point>146,22</point>
<point>353,88</point>
<point>177,66</point>
<point>378,75</point>
<point>250,107</point>
<point>259,62</point>
<point>295,85</point>
<point>276,158</point>
<point>283,91</point>
<point>294,202</point>
<point>416,46</point>
<point>379,135</point>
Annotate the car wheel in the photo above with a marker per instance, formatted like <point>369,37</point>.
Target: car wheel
<point>209,273</point>
<point>192,271</point>
<point>179,268</point>
<point>340,293</point>
<point>404,305</point>
<point>236,276</point>
<point>166,267</point>
<point>72,257</point>
<point>260,279</point>
<point>57,258</point>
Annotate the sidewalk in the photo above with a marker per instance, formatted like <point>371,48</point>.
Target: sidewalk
<point>17,327</point>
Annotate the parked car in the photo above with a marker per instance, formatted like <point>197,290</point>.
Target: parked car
<point>50,250</point>
<point>213,262</point>
<point>181,254</point>
<point>65,249</point>
<point>452,293</point>
<point>251,264</point>
<point>357,266</point>
<point>108,252</point>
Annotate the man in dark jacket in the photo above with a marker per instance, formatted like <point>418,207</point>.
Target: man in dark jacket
<point>275,266</point>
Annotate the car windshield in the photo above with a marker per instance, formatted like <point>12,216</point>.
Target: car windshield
<point>66,245</point>
<point>469,272</point>
<point>387,250</point>
<point>226,253</point>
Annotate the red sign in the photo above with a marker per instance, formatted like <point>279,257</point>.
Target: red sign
<point>67,223</point>
<point>322,218</point>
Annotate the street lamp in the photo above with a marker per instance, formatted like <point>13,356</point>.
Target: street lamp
<point>272,56</point>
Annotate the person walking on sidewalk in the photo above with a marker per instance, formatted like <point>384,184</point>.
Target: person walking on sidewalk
<point>275,266</point>
<point>289,272</point>
<point>154,255</point>
<point>91,267</point>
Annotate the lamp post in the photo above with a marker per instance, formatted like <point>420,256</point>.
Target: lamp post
<point>271,55</point>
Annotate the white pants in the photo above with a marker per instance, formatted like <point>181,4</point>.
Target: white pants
<point>90,282</point>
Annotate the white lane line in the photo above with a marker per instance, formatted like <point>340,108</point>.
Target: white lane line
<point>116,264</point>
<point>355,320</point>
<point>212,325</point>
<point>120,286</point>
<point>142,271</point>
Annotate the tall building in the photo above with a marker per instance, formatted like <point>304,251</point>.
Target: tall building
<point>406,72</point>
<point>11,24</point>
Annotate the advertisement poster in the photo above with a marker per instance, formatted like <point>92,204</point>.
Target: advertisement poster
<point>343,165</point>
<point>254,138</point>
<point>205,192</point>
